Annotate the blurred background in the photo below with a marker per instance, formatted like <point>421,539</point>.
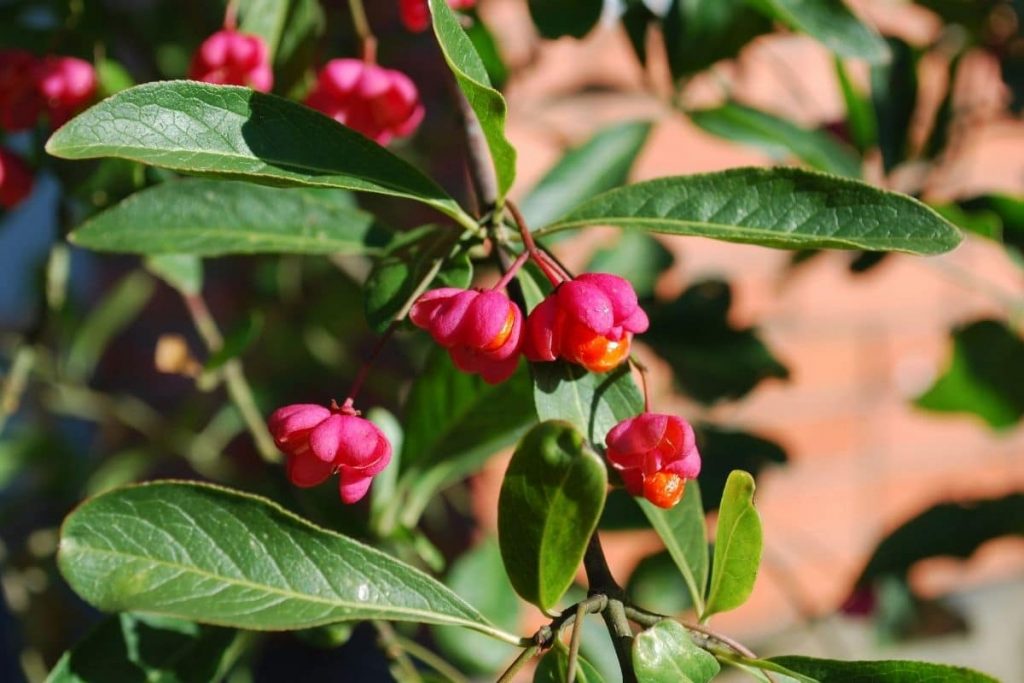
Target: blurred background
<point>878,400</point>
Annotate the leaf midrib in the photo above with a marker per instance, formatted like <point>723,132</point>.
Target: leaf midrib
<point>81,548</point>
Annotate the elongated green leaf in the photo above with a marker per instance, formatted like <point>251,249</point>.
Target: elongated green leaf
<point>264,18</point>
<point>737,546</point>
<point>600,164</point>
<point>471,74</point>
<point>699,33</point>
<point>831,23</point>
<point>557,18</point>
<point>216,217</point>
<point>479,578</point>
<point>781,207</point>
<point>233,132</point>
<point>454,421</point>
<point>554,666</point>
<point>414,262</point>
<point>684,533</point>
<point>592,403</point>
<point>860,119</point>
<point>884,671</point>
<point>184,272</point>
<point>298,46</point>
<point>550,502</point>
<point>664,653</point>
<point>779,138</point>
<point>894,97</point>
<point>985,376</point>
<point>135,649</point>
<point>217,556</point>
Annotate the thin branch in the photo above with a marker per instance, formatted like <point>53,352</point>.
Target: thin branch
<point>520,661</point>
<point>392,648</point>
<point>16,382</point>
<point>574,642</point>
<point>430,659</point>
<point>367,41</point>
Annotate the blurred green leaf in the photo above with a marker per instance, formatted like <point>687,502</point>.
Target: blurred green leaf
<point>664,653</point>
<point>183,272</point>
<point>479,578</point>
<point>831,23</point>
<point>985,376</point>
<point>236,133</point>
<point>699,33</point>
<point>111,78</point>
<point>553,476</point>
<point>785,208</point>
<point>558,18</point>
<point>811,670</point>
<point>264,18</point>
<point>131,648</point>
<point>106,320</point>
<point>723,450</point>
<point>236,341</point>
<point>299,43</point>
<point>711,359</point>
<point>656,585</point>
<point>166,547</point>
<point>600,164</point>
<point>486,102</point>
<point>636,20</point>
<point>737,547</point>
<point>454,422</point>
<point>779,138</point>
<point>487,48</point>
<point>414,261</point>
<point>217,217</point>
<point>684,534</point>
<point>118,469</point>
<point>592,403</point>
<point>945,530</point>
<point>636,256</point>
<point>860,119</point>
<point>554,665</point>
<point>894,96</point>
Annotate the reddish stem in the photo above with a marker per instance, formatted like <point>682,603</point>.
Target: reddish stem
<point>512,270</point>
<point>231,16</point>
<point>357,383</point>
<point>642,369</point>
<point>552,274</point>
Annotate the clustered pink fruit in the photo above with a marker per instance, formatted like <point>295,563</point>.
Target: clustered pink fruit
<point>655,454</point>
<point>415,14</point>
<point>482,331</point>
<point>589,320</point>
<point>320,441</point>
<point>231,58</point>
<point>15,180</point>
<point>380,103</point>
<point>54,85</point>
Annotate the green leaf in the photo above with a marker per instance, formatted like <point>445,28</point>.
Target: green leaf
<point>111,77</point>
<point>636,19</point>
<point>454,422</point>
<point>592,403</point>
<point>600,164</point>
<point>636,256</point>
<point>414,262</point>
<point>554,665</point>
<point>118,309</point>
<point>945,530</point>
<point>236,341</point>
<point>298,46</point>
<point>779,138</point>
<point>550,502</point>
<point>217,217</point>
<point>699,33</point>
<point>655,585</point>
<point>184,272</point>
<point>486,46</point>
<point>723,450</point>
<point>479,578</point>
<point>985,376</point>
<point>169,547</point>
<point>135,649</point>
<point>785,208</point>
<point>860,119</point>
<point>664,653</point>
<point>684,534</point>
<point>894,96</point>
<point>737,547</point>
<point>711,359</point>
<point>831,23</point>
<point>264,18</point>
<point>233,132</point>
<point>471,75</point>
<point>885,671</point>
<point>558,18</point>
